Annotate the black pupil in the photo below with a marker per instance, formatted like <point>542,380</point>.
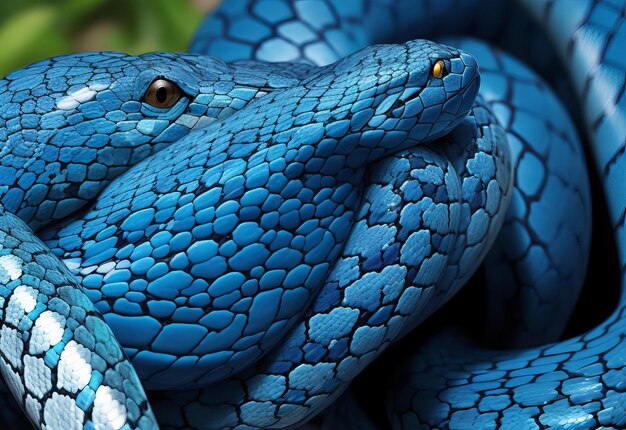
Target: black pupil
<point>161,95</point>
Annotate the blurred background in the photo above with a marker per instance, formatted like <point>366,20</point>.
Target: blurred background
<point>31,30</point>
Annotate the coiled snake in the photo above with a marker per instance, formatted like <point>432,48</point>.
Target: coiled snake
<point>255,233</point>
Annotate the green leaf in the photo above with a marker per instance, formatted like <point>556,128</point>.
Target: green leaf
<point>31,30</point>
<point>28,36</point>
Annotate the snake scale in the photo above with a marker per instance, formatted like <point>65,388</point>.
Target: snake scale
<point>228,238</point>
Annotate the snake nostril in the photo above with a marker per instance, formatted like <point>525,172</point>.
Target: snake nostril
<point>398,104</point>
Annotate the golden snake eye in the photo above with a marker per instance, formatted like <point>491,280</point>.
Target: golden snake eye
<point>439,68</point>
<point>163,94</point>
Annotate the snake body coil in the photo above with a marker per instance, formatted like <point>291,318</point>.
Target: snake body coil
<point>257,233</point>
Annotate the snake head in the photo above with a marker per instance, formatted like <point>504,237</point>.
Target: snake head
<point>70,124</point>
<point>434,93</point>
<point>419,90</point>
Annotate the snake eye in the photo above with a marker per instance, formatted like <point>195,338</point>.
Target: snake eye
<point>439,68</point>
<point>163,93</point>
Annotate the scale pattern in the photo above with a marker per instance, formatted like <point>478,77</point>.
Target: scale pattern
<point>71,124</point>
<point>577,383</point>
<point>391,274</point>
<point>250,213</point>
<point>538,264</point>
<point>57,355</point>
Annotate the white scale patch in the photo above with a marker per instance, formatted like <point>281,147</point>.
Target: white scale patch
<point>10,268</point>
<point>22,301</point>
<point>106,267</point>
<point>48,331</point>
<point>33,408</point>
<point>37,376</point>
<point>74,99</point>
<point>11,346</point>
<point>73,264</point>
<point>109,409</point>
<point>74,369</point>
<point>12,380</point>
<point>25,297</point>
<point>61,413</point>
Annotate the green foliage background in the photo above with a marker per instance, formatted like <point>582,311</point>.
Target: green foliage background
<point>31,30</point>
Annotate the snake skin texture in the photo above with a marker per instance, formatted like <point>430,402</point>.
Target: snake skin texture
<point>255,246</point>
<point>250,213</point>
<point>83,99</point>
<point>93,101</point>
<point>577,383</point>
<point>378,288</point>
<point>531,278</point>
<point>74,372</point>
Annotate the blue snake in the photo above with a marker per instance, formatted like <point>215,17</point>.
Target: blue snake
<point>241,231</point>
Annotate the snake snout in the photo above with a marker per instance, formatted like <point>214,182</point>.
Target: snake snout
<point>449,99</point>
<point>470,82</point>
<point>441,87</point>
